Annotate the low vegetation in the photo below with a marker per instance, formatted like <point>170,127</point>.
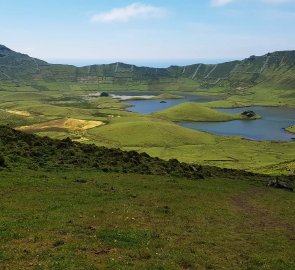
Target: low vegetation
<point>192,111</point>
<point>291,129</point>
<point>66,205</point>
<point>62,124</point>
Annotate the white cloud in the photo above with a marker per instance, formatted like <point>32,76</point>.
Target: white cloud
<point>220,3</point>
<point>133,11</point>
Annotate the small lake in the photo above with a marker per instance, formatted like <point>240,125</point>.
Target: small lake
<point>269,128</point>
<point>154,105</point>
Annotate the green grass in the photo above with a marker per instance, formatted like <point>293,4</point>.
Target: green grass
<point>146,132</point>
<point>232,152</point>
<point>158,137</point>
<point>50,220</point>
<point>291,129</point>
<point>192,111</point>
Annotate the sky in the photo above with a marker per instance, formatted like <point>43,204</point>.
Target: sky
<point>147,32</point>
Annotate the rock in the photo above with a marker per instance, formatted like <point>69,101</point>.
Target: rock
<point>249,114</point>
<point>163,101</point>
<point>280,184</point>
<point>104,94</point>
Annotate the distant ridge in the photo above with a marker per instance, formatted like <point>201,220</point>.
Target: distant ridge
<point>276,69</point>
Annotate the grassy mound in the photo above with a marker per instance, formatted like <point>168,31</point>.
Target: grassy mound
<point>147,131</point>
<point>191,111</point>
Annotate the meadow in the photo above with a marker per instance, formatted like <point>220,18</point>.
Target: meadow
<point>66,205</point>
<point>46,112</point>
<point>86,184</point>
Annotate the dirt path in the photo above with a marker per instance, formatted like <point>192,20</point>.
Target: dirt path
<point>256,217</point>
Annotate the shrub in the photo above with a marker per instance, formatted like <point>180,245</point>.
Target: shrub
<point>2,161</point>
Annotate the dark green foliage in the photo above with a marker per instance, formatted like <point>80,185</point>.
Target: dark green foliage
<point>2,161</point>
<point>104,94</point>
<point>248,114</point>
<point>42,152</point>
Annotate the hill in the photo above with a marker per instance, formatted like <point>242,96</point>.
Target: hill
<point>66,205</point>
<point>191,111</point>
<point>275,69</point>
<point>19,148</point>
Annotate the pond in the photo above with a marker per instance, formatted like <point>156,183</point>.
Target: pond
<point>269,128</point>
<point>154,105</point>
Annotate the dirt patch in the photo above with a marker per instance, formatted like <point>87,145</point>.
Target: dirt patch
<point>20,113</point>
<point>62,124</point>
<point>255,216</point>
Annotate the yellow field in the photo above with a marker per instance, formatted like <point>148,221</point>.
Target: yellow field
<point>68,124</point>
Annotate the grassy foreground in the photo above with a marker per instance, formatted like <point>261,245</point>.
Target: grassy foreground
<point>66,205</point>
<point>92,220</point>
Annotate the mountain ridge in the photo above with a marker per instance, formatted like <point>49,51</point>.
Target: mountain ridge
<point>276,68</point>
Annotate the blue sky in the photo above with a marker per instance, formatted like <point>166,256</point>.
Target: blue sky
<point>147,32</point>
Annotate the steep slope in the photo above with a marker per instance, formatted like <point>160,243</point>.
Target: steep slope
<point>19,149</point>
<point>275,69</point>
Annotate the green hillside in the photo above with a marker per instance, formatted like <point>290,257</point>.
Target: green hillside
<point>66,205</point>
<point>276,69</point>
<point>192,111</point>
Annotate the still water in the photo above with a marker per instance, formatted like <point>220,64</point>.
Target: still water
<point>269,128</point>
<point>154,105</point>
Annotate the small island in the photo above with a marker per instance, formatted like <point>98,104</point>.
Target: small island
<point>250,115</point>
<point>291,129</point>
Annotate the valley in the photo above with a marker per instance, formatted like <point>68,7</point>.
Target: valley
<point>124,167</point>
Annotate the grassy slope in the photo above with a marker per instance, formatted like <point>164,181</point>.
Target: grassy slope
<point>267,79</point>
<point>146,132</point>
<point>65,213</point>
<point>49,220</point>
<point>233,152</point>
<point>192,111</point>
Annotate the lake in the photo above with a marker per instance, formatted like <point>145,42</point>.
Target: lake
<point>269,128</point>
<point>154,105</point>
